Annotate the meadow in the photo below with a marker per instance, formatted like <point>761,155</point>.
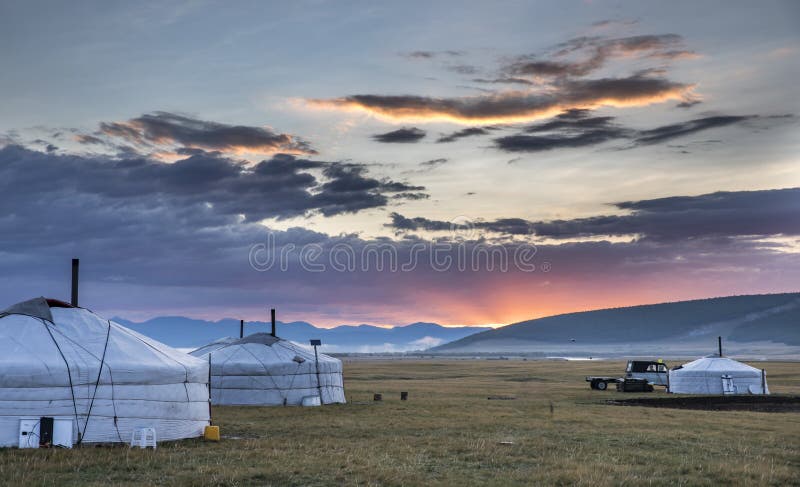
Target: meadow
<point>555,431</point>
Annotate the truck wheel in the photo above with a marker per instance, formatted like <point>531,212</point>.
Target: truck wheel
<point>602,385</point>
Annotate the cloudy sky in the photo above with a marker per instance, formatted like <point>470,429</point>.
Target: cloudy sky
<point>457,162</point>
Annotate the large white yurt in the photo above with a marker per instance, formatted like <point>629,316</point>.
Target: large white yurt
<point>264,370</point>
<point>94,379</point>
<point>717,375</point>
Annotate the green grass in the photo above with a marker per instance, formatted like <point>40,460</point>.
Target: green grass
<point>448,433</point>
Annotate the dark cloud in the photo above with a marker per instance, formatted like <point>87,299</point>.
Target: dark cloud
<point>626,90</point>
<point>722,214</point>
<point>553,68</point>
<point>596,52</point>
<point>432,54</point>
<point>89,139</point>
<point>740,214</point>
<point>403,135</point>
<point>538,143</point>
<point>463,69</point>
<point>349,190</point>
<point>577,128</point>
<point>467,132</point>
<point>669,132</point>
<point>570,129</point>
<point>412,196</point>
<point>606,47</point>
<point>507,226</point>
<point>400,222</point>
<point>434,162</point>
<point>675,54</point>
<point>688,103</point>
<point>280,187</point>
<point>503,80</point>
<point>168,131</point>
<point>573,119</point>
<point>614,22</point>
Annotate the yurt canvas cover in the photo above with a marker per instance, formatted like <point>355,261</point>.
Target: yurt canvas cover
<point>261,369</point>
<point>717,375</point>
<point>68,363</point>
<point>216,344</point>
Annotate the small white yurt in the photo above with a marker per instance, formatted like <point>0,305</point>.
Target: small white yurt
<point>717,375</point>
<point>92,380</point>
<point>264,370</point>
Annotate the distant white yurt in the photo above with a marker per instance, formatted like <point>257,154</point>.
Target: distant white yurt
<point>717,375</point>
<point>263,370</point>
<point>96,379</point>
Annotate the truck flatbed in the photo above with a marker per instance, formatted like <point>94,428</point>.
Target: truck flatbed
<point>601,383</point>
<point>646,371</point>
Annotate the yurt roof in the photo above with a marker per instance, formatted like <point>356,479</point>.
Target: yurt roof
<point>261,338</point>
<point>84,332</point>
<point>210,347</point>
<point>36,307</point>
<point>718,364</point>
<point>275,347</point>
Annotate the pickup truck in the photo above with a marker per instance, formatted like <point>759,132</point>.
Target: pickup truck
<point>654,372</point>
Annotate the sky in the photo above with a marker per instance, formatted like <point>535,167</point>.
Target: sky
<point>464,163</point>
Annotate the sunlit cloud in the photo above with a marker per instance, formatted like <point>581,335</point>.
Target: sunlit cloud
<point>513,106</point>
<point>165,133</point>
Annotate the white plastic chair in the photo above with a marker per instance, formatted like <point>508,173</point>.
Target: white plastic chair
<point>144,438</point>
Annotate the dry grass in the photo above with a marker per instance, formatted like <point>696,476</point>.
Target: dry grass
<point>448,433</point>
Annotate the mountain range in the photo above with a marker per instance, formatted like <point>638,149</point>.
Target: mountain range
<point>188,333</point>
<point>755,325</point>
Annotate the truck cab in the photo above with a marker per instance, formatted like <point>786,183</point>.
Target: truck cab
<point>654,372</point>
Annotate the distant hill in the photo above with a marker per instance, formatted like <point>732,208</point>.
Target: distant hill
<point>751,323</point>
<point>182,332</point>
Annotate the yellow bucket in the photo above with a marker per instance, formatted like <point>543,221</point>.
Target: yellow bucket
<point>211,433</point>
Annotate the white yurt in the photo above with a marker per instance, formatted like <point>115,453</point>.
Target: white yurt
<point>67,372</point>
<point>717,375</point>
<point>264,370</point>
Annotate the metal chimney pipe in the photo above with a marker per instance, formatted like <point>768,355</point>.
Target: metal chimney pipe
<point>241,328</point>
<point>75,270</point>
<point>273,321</point>
<point>719,342</point>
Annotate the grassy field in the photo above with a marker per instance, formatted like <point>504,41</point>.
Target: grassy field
<point>555,432</point>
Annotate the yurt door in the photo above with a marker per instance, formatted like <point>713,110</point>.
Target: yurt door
<point>727,385</point>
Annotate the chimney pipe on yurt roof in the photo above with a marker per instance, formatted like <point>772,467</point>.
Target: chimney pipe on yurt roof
<point>719,342</point>
<point>272,312</point>
<point>241,328</point>
<point>75,270</point>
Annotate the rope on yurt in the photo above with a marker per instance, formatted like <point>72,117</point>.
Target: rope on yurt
<point>297,369</point>
<point>114,406</point>
<point>294,376</point>
<point>69,375</point>
<point>96,386</point>
<point>285,397</point>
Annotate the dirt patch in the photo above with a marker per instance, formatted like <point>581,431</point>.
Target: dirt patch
<point>767,404</point>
